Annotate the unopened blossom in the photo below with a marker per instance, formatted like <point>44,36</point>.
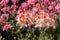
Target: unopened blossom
<point>1,20</point>
<point>50,7</point>
<point>32,2</point>
<point>5,9</point>
<point>34,9</point>
<point>5,2</point>
<point>1,3</point>
<point>19,11</point>
<point>39,1</point>
<point>53,3</point>
<point>4,15</point>
<point>58,11</point>
<point>24,5</point>
<point>42,12</point>
<point>14,6</point>
<point>38,5</point>
<point>6,27</point>
<point>57,7</point>
<point>52,15</point>
<point>53,23</point>
<point>13,10</point>
<point>15,1</point>
<point>46,2</point>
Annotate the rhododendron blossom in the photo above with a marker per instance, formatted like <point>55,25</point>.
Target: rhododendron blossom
<point>29,20</point>
<point>40,13</point>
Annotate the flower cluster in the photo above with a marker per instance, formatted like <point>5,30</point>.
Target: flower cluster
<point>41,13</point>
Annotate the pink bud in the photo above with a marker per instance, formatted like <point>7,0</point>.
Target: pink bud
<point>57,7</point>
<point>46,2</point>
<point>5,1</point>
<point>35,10</point>
<point>19,11</point>
<point>53,3</point>
<point>58,11</point>
<point>15,1</point>
<point>14,6</point>
<point>24,5</point>
<point>50,7</point>
<point>32,2</point>
<point>6,27</point>
<point>1,3</point>
<point>4,15</point>
<point>38,5</point>
<point>4,9</point>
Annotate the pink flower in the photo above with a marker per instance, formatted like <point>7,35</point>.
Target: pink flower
<point>4,15</point>
<point>53,23</point>
<point>5,22</point>
<point>5,9</point>
<point>38,5</point>
<point>34,10</point>
<point>13,12</point>
<point>57,7</point>
<point>58,11</point>
<point>8,8</point>
<point>1,3</point>
<point>50,7</point>
<point>6,27</point>
<point>32,2</point>
<point>39,1</point>
<point>53,3</point>
<point>15,1</point>
<point>14,6</point>
<point>19,11</point>
<point>5,1</point>
<point>46,2</point>
<point>24,5</point>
